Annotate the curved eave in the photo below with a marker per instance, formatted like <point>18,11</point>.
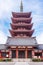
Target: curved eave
<point>21,19</point>
<point>30,32</point>
<point>21,25</point>
<point>22,30</point>
<point>14,14</point>
<point>12,33</point>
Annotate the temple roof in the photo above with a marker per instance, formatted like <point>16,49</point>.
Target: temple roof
<point>21,14</point>
<point>22,24</point>
<point>22,30</point>
<point>21,41</point>
<point>21,20</point>
<point>28,26</point>
<point>17,41</point>
<point>17,19</point>
<point>30,32</point>
<point>40,46</point>
<point>2,46</point>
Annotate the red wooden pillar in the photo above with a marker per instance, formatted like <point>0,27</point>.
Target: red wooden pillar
<point>26,53</point>
<point>10,54</point>
<point>0,54</point>
<point>42,54</point>
<point>32,53</point>
<point>16,52</point>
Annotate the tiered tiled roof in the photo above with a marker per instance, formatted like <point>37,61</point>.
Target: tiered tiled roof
<point>21,24</point>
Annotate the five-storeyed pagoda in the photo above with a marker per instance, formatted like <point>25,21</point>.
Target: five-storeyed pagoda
<point>21,44</point>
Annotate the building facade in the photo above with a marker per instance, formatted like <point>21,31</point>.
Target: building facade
<point>21,44</point>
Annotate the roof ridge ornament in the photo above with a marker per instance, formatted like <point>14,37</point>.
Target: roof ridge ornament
<point>21,6</point>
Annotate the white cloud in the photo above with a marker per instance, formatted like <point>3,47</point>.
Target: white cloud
<point>3,38</point>
<point>40,38</point>
<point>6,6</point>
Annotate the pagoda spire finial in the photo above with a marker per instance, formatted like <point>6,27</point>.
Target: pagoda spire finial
<point>21,7</point>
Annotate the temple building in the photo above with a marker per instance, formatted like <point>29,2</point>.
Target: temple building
<point>21,43</point>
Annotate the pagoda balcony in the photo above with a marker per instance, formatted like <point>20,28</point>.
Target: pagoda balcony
<point>21,24</point>
<point>26,20</point>
<point>18,15</point>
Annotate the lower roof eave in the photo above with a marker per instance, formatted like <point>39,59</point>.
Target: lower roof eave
<point>22,45</point>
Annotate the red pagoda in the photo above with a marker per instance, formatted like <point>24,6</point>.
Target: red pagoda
<point>21,44</point>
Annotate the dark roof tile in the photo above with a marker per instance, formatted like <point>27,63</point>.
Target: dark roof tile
<point>21,41</point>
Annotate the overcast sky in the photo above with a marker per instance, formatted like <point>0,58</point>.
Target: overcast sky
<point>6,8</point>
